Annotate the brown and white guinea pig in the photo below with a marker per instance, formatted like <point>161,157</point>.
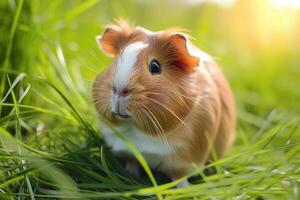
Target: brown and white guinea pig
<point>166,96</point>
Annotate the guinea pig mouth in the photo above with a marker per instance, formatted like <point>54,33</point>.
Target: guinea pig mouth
<point>123,116</point>
<point>120,108</point>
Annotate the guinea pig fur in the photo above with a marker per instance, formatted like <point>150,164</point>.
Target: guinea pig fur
<point>166,96</point>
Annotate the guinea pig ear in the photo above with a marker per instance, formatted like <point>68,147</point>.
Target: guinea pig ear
<point>179,54</point>
<point>109,41</point>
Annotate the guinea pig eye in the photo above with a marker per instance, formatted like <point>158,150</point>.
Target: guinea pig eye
<point>154,67</point>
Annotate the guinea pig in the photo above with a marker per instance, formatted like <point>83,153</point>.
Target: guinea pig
<point>166,96</point>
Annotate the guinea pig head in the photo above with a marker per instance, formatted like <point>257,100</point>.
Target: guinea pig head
<point>150,80</point>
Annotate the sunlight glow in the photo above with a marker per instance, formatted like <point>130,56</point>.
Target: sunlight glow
<point>274,21</point>
<point>228,3</point>
<point>286,3</point>
<point>225,3</point>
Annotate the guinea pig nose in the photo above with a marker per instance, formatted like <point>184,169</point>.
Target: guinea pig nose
<point>124,92</point>
<point>121,91</point>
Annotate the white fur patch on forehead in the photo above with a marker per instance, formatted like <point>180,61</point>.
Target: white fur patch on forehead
<point>126,62</point>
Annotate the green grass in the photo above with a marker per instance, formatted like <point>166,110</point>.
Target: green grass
<point>51,146</point>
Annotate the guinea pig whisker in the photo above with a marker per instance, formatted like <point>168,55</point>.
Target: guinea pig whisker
<point>155,93</point>
<point>139,117</point>
<point>96,100</point>
<point>93,100</point>
<point>167,109</point>
<point>98,87</point>
<point>151,120</point>
<point>153,117</point>
<point>200,105</point>
<point>156,123</point>
<point>157,126</point>
<point>150,117</point>
<point>145,121</point>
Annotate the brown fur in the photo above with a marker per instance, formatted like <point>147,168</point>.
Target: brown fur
<point>183,103</point>
<point>115,37</point>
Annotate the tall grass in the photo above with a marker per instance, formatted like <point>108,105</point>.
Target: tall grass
<point>51,146</point>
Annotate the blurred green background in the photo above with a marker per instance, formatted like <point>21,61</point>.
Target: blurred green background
<point>49,108</point>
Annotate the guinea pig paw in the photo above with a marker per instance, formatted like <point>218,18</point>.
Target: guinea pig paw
<point>183,184</point>
<point>134,168</point>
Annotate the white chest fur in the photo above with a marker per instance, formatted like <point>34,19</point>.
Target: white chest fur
<point>153,149</point>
